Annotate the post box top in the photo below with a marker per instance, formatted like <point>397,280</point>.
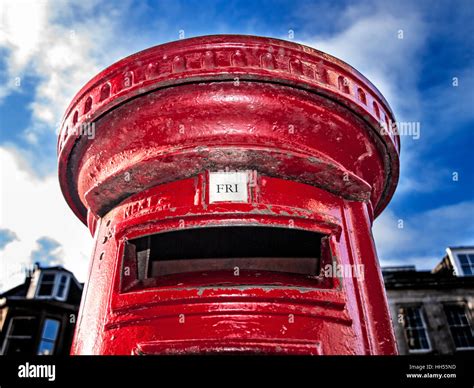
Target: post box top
<point>221,58</point>
<point>203,58</point>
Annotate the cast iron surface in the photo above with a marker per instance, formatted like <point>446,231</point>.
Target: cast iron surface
<point>238,62</point>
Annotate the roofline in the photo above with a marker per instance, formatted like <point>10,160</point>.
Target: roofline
<point>52,268</point>
<point>61,268</point>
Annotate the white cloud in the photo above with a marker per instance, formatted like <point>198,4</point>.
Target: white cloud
<point>22,25</point>
<point>371,44</point>
<point>420,175</point>
<point>62,55</point>
<point>424,235</point>
<point>34,208</point>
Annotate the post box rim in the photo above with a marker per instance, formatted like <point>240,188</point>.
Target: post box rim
<point>208,43</point>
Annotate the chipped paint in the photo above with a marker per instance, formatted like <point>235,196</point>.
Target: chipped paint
<point>318,163</point>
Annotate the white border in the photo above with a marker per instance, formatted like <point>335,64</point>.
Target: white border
<point>54,293</point>
<point>453,257</point>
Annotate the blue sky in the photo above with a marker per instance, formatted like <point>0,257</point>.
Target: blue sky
<point>49,49</point>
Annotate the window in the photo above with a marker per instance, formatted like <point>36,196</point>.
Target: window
<point>466,260</point>
<point>462,259</point>
<point>415,329</point>
<point>19,337</point>
<point>53,285</point>
<point>46,284</point>
<point>62,286</point>
<point>48,337</point>
<point>459,326</point>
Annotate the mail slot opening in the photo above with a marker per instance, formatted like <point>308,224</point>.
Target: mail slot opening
<point>231,251</point>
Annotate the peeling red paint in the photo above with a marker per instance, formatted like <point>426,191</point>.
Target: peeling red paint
<point>316,160</point>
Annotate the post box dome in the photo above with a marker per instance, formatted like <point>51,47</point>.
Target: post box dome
<point>227,101</point>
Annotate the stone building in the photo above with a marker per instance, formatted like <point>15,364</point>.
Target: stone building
<point>432,311</point>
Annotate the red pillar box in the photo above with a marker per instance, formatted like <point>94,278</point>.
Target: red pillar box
<point>230,183</point>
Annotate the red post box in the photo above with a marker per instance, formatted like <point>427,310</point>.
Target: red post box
<point>230,183</point>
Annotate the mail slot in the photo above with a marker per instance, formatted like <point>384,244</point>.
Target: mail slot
<point>230,186</point>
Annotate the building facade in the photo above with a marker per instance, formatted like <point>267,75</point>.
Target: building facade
<point>432,311</point>
<point>38,317</point>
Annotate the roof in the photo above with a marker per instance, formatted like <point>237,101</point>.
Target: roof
<point>22,289</point>
<point>413,279</point>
